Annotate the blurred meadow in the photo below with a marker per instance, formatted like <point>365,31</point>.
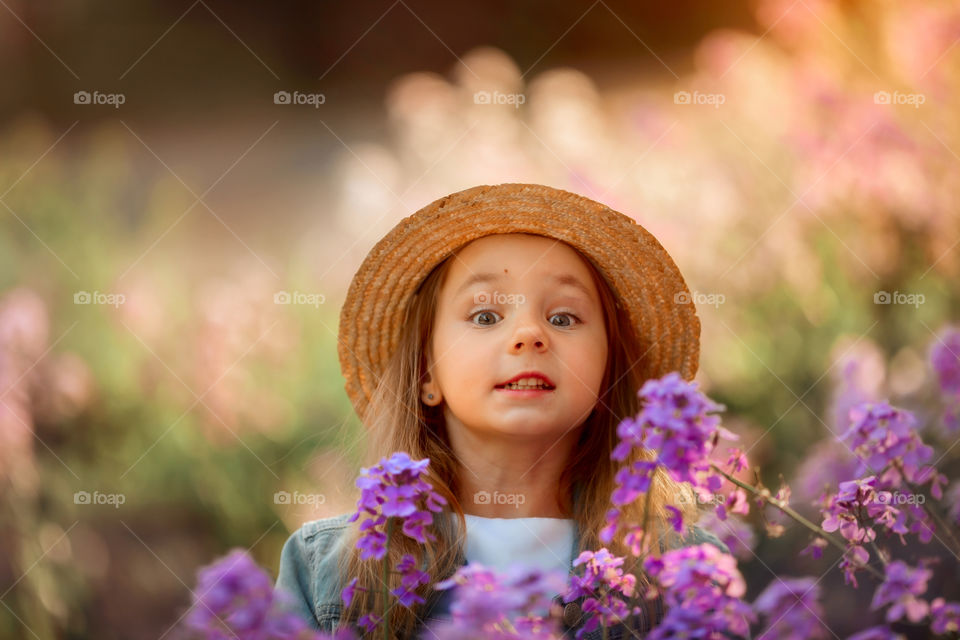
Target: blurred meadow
<point>187,189</point>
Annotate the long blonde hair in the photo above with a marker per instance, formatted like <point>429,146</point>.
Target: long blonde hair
<point>398,421</point>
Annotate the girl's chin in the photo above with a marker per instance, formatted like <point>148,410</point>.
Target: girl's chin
<point>521,428</point>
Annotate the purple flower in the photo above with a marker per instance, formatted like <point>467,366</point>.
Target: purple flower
<point>603,579</point>
<point>394,488</point>
<point>702,590</point>
<point>390,492</point>
<point>946,616</point>
<point>736,460</point>
<point>374,542</point>
<point>235,598</point>
<point>736,502</point>
<point>844,510</point>
<point>369,621</point>
<point>792,609</point>
<point>399,501</point>
<point>411,578</point>
<point>857,507</point>
<point>815,548</point>
<point>885,439</point>
<point>633,481</point>
<point>860,503</point>
<point>677,423</point>
<point>675,518</point>
<point>486,603</point>
<point>854,557</point>
<point>349,591</point>
<point>900,588</point>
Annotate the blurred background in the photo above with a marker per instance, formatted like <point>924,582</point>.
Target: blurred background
<point>186,189</point>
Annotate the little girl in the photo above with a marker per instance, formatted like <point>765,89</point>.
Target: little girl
<point>503,332</point>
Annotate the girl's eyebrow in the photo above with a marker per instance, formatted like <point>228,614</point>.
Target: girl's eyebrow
<point>559,279</point>
<point>477,278</point>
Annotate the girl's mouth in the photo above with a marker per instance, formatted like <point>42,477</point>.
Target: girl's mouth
<point>528,388</point>
<point>522,387</point>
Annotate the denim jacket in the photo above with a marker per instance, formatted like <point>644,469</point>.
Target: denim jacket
<point>309,571</point>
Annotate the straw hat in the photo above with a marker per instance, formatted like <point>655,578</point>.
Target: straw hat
<point>642,276</point>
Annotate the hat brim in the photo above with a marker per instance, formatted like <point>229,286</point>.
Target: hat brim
<point>642,275</point>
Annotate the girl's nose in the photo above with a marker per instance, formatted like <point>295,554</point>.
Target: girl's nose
<point>526,336</point>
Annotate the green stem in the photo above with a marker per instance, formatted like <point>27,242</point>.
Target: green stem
<point>876,550</point>
<point>636,559</point>
<point>790,511</point>
<point>386,583</point>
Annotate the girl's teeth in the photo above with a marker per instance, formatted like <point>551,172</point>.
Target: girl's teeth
<point>516,385</point>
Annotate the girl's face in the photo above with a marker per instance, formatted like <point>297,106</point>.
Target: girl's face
<point>514,303</point>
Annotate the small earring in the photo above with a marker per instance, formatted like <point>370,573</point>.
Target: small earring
<point>429,396</point>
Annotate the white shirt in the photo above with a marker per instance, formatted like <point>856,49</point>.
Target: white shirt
<point>545,543</point>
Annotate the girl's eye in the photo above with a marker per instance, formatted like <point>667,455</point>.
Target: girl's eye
<point>561,314</point>
<point>484,313</point>
<point>492,315</point>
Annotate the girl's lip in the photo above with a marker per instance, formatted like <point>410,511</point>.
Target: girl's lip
<point>524,393</point>
<point>530,374</point>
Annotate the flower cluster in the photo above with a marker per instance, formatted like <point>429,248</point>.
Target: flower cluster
<point>603,578</point>
<point>900,589</point>
<point>856,501</point>
<point>885,440</point>
<point>677,423</point>
<point>856,507</point>
<point>492,605</point>
<point>395,489</point>
<point>411,578</point>
<point>791,608</point>
<point>946,616</point>
<point>235,598</point>
<point>702,591</point>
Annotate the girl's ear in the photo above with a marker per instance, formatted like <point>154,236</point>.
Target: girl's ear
<point>429,393</point>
